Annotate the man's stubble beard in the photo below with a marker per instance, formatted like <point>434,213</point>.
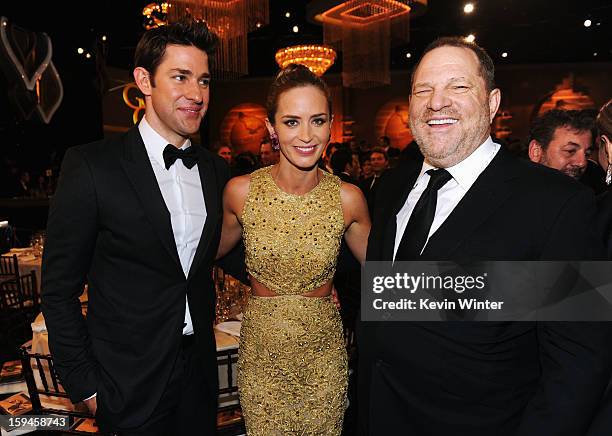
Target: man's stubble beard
<point>570,171</point>
<point>454,153</point>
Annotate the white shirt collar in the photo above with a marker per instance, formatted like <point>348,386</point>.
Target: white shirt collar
<point>155,143</point>
<point>467,171</point>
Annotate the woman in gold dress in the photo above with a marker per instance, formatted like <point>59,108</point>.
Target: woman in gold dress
<point>292,368</point>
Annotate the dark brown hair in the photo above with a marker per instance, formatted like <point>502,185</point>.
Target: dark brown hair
<point>487,68</point>
<point>604,120</point>
<point>543,128</point>
<point>293,76</point>
<point>379,150</point>
<point>152,45</point>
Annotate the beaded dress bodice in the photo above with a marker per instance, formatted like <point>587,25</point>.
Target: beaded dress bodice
<point>292,241</point>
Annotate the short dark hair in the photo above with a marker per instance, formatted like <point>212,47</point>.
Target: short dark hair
<point>152,45</point>
<point>543,127</point>
<point>294,76</point>
<point>340,159</point>
<point>487,68</point>
<point>604,120</point>
<point>380,151</point>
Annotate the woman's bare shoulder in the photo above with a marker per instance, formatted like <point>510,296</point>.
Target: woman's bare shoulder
<point>350,193</point>
<point>237,189</point>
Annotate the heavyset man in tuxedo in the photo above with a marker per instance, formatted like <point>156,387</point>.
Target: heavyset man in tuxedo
<point>138,217</point>
<point>472,200</point>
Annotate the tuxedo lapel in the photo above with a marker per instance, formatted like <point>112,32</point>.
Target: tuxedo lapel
<point>210,190</point>
<point>137,166</point>
<point>492,188</point>
<point>405,178</point>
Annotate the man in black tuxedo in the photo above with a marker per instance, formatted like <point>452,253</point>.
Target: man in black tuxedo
<point>380,162</point>
<point>138,217</point>
<point>477,378</point>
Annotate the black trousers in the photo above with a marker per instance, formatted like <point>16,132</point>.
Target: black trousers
<point>182,410</point>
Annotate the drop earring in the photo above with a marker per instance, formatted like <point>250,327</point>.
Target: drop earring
<point>275,142</point>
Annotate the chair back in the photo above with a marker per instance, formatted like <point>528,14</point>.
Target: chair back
<point>9,267</point>
<point>42,381</point>
<point>29,291</point>
<point>11,297</point>
<point>229,414</point>
<point>20,293</point>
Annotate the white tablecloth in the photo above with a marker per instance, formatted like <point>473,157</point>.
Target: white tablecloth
<point>27,263</point>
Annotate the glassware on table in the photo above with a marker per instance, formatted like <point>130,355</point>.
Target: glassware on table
<point>37,242</point>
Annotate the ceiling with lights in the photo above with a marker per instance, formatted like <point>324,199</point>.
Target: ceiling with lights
<point>512,31</point>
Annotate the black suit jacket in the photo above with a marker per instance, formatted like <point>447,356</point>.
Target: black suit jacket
<point>604,220</point>
<point>369,187</point>
<point>485,378</point>
<point>109,225</point>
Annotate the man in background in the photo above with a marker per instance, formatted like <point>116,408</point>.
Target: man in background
<point>267,155</point>
<point>562,140</point>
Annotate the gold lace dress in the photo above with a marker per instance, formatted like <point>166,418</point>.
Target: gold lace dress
<point>292,368</point>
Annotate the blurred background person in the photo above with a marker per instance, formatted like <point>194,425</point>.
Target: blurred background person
<point>594,175</point>
<point>379,162</point>
<point>24,184</point>
<point>603,129</point>
<point>604,139</point>
<point>366,167</point>
<point>327,154</point>
<point>345,164</point>
<point>562,140</point>
<point>244,163</point>
<point>267,155</point>
<point>225,152</point>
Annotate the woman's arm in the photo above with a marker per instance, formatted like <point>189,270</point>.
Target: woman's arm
<point>234,196</point>
<point>356,219</point>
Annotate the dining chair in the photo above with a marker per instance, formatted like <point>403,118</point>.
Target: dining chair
<point>21,293</point>
<point>9,267</point>
<point>45,389</point>
<point>229,414</point>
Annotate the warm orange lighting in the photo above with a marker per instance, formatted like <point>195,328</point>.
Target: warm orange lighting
<point>318,58</point>
<point>156,14</point>
<point>363,30</point>
<point>364,13</point>
<point>139,106</point>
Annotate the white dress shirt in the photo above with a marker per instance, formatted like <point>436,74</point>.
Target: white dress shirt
<point>464,175</point>
<point>182,192</point>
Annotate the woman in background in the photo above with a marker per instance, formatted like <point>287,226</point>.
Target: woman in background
<point>603,125</point>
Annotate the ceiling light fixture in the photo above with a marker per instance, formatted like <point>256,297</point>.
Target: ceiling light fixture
<point>318,58</point>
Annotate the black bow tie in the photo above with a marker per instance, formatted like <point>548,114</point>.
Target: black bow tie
<point>189,156</point>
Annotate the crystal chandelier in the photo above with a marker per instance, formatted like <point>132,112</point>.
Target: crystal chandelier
<point>231,20</point>
<point>318,58</point>
<point>364,30</point>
